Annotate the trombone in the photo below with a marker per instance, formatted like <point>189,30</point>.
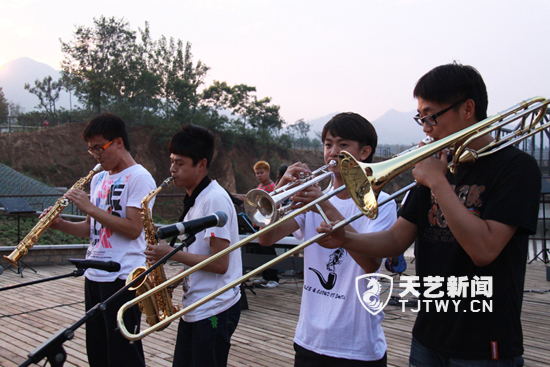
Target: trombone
<point>363,182</point>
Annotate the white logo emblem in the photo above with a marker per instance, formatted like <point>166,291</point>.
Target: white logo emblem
<point>368,289</point>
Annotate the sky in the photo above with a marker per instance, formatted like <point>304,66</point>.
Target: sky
<point>314,58</point>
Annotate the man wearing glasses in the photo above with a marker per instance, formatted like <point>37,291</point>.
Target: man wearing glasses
<point>114,226</point>
<point>471,229</point>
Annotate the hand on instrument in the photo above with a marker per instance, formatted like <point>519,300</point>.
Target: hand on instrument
<point>55,223</point>
<point>305,196</point>
<point>335,240</point>
<point>431,171</point>
<point>176,284</point>
<point>81,200</point>
<point>293,173</point>
<point>155,253</point>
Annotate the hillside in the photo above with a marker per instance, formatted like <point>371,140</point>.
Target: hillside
<point>58,157</point>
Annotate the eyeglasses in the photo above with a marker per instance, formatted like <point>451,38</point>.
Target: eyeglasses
<point>431,119</point>
<point>97,151</point>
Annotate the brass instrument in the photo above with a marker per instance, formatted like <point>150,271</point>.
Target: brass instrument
<point>34,235</point>
<point>264,208</point>
<point>158,306</point>
<point>363,183</point>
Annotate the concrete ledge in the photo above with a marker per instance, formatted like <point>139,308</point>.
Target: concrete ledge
<point>47,254</point>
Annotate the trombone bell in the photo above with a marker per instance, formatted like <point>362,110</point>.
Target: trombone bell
<point>358,184</point>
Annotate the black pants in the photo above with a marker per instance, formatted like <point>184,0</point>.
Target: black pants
<point>307,358</point>
<point>206,343</point>
<point>106,347</point>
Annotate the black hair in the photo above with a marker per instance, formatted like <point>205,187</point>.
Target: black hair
<point>451,83</point>
<point>352,126</point>
<point>195,142</point>
<point>109,126</point>
<point>282,169</point>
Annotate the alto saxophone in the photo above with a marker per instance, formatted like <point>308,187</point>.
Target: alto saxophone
<point>30,239</point>
<point>159,306</point>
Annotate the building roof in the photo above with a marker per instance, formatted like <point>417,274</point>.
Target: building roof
<point>16,183</point>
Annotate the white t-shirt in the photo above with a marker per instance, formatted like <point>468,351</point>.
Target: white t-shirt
<point>202,283</point>
<point>332,320</point>
<point>113,194</point>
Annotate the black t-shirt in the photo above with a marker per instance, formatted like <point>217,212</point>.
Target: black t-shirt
<point>504,187</point>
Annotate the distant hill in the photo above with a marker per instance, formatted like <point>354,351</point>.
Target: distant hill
<point>394,127</point>
<point>14,74</point>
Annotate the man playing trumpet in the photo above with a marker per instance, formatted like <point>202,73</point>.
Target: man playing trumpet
<point>336,331</point>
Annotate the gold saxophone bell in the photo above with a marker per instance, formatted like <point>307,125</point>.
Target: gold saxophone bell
<point>365,182</point>
<point>158,306</point>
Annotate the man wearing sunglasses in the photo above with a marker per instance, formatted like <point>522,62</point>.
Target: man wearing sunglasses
<point>471,230</point>
<point>114,226</point>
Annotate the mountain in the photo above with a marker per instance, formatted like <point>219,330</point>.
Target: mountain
<point>393,127</point>
<point>15,73</point>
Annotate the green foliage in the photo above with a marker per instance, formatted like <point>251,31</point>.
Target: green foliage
<point>98,63</point>
<point>155,83</point>
<point>47,92</point>
<point>3,107</point>
<point>8,232</point>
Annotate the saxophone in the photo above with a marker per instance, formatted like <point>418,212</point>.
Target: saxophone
<point>159,306</point>
<point>30,239</point>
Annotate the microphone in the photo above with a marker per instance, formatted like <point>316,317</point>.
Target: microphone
<point>218,219</point>
<point>109,266</point>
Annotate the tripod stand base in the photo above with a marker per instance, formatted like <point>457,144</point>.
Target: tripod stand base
<point>543,255</point>
<point>21,265</point>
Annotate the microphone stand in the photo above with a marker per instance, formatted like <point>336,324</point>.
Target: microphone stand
<point>76,273</point>
<point>52,349</point>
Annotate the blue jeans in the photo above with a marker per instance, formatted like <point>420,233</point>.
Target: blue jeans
<point>206,342</point>
<point>422,356</point>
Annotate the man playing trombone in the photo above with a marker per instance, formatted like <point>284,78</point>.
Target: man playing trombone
<point>471,226</point>
<point>333,328</point>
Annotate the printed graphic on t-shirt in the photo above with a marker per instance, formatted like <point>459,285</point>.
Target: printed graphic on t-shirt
<point>334,259</point>
<point>469,195</point>
<point>108,199</point>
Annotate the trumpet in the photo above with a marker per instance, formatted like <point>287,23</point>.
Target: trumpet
<point>264,208</point>
<point>363,182</point>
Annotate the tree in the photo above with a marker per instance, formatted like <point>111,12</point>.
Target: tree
<point>47,92</point>
<point>4,107</point>
<point>97,62</point>
<point>298,131</point>
<point>257,115</point>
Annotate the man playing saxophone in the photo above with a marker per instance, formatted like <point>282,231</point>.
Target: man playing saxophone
<point>203,334</point>
<point>114,226</point>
